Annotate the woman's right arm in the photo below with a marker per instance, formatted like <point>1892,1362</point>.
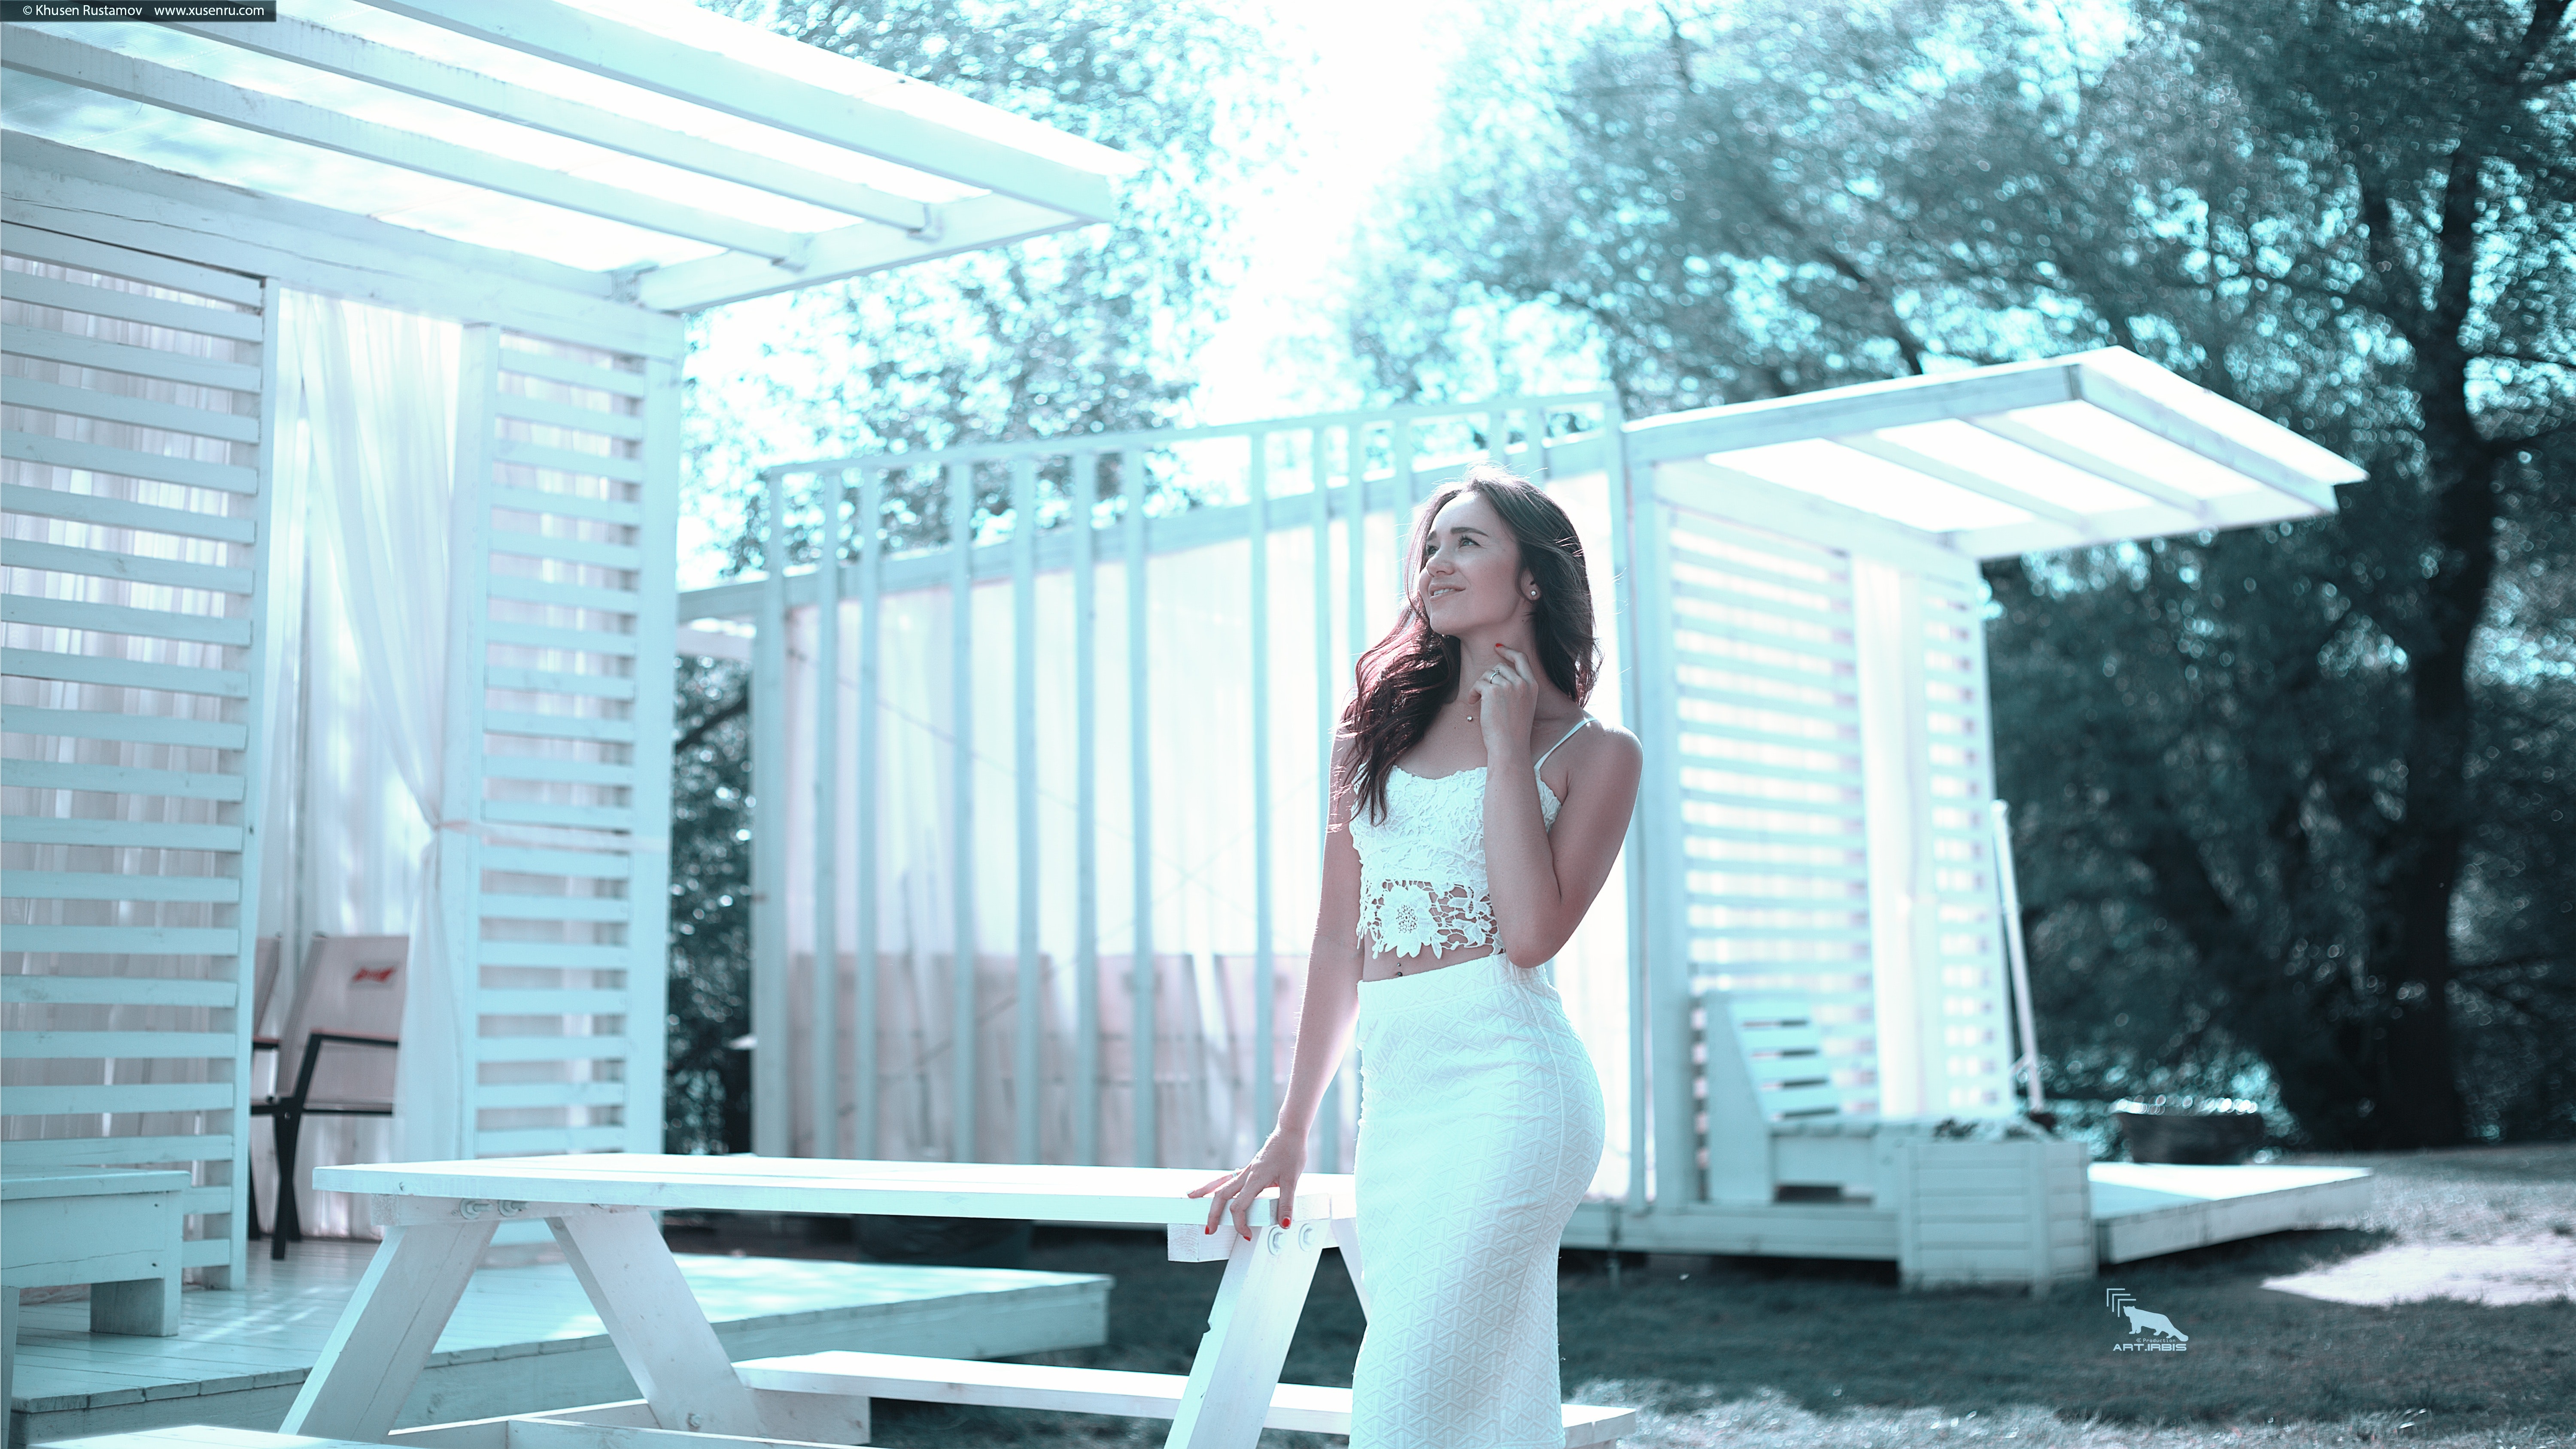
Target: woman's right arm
<point>1324,1021</point>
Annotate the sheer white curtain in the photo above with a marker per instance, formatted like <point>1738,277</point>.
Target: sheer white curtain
<point>366,426</point>
<point>1200,698</point>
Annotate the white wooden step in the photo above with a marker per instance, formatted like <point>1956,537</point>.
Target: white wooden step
<point>204,1436</point>
<point>1308,1407</point>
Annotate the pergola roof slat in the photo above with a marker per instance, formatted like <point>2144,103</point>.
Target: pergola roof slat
<point>2085,459</point>
<point>968,225</point>
<point>109,72</point>
<point>358,58</point>
<point>2098,447</point>
<point>1958,477</point>
<point>638,57</point>
<point>2314,484</point>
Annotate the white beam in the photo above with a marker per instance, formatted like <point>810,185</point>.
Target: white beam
<point>655,62</point>
<point>1958,477</point>
<point>964,226</point>
<point>2155,520</point>
<point>2121,398</point>
<point>65,189</point>
<point>108,72</point>
<point>366,60</point>
<point>1729,493</point>
<point>1867,408</point>
<point>2085,460</point>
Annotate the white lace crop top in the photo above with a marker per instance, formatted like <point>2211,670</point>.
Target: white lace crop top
<point>1422,868</point>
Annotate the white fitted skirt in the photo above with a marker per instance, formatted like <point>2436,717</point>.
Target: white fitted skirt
<point>1480,1127</point>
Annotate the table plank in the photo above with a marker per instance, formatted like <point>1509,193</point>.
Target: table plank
<point>1145,1196</point>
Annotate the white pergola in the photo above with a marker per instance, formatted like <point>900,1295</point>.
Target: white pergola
<point>564,179</point>
<point>682,159</point>
<point>1817,821</point>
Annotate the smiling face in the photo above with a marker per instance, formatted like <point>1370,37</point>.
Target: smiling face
<point>1470,573</point>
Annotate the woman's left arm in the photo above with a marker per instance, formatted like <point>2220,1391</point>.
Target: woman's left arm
<point>1542,881</point>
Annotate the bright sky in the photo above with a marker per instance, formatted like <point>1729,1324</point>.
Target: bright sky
<point>1374,89</point>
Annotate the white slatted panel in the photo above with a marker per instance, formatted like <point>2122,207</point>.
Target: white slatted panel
<point>137,394</point>
<point>1768,775</point>
<point>574,730</point>
<point>1965,984</point>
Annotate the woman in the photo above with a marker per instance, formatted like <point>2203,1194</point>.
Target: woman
<point>1476,811</point>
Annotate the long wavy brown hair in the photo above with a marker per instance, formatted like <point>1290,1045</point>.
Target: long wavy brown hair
<point>1405,677</point>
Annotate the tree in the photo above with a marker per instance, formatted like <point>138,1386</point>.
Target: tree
<point>2290,798</point>
<point>706,1095</point>
<point>1087,331</point>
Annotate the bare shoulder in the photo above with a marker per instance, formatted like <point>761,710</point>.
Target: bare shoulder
<point>1600,760</point>
<point>1608,751</point>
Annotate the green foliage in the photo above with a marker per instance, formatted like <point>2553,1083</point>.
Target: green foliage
<point>2291,802</point>
<point>1086,331</point>
<point>706,1092</point>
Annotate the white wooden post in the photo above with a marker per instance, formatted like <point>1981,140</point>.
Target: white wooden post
<point>1085,1083</point>
<point>863,1061</point>
<point>1140,788</point>
<point>648,889</point>
<point>1320,515</point>
<point>1630,508</point>
<point>822,1005</point>
<point>961,803</point>
<point>1889,632</point>
<point>457,846</point>
<point>252,814</point>
<point>1265,964</point>
<point>1028,1087</point>
<point>772,1109</point>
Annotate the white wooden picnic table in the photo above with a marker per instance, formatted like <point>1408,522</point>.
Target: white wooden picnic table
<point>440,1216</point>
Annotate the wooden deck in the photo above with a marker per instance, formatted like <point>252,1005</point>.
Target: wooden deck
<point>523,1339</point>
<point>2140,1209</point>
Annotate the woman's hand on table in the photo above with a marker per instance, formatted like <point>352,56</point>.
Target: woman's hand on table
<point>1279,1163</point>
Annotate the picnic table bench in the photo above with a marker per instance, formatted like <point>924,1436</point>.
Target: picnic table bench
<point>439,1216</point>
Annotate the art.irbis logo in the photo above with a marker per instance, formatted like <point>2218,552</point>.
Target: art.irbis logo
<point>2160,1335</point>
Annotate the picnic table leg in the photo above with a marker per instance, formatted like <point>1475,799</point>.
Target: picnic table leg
<point>1237,1368</point>
<point>1346,1236</point>
<point>386,1333</point>
<point>656,1323</point>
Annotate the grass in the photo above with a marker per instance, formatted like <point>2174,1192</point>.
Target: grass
<point>1753,1353</point>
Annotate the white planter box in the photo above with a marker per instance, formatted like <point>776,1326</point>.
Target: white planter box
<point>1972,1213</point>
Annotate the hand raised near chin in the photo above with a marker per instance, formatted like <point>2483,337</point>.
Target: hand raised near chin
<point>1506,700</point>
